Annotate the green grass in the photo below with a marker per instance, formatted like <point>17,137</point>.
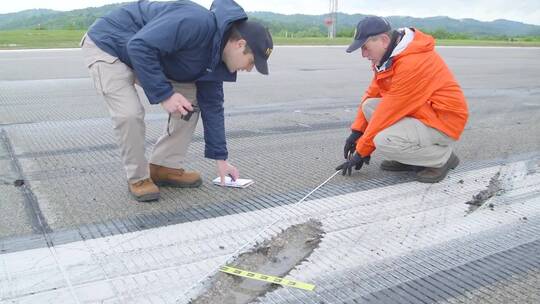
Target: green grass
<point>312,41</point>
<point>449,42</point>
<point>32,39</point>
<point>28,39</point>
<point>478,42</point>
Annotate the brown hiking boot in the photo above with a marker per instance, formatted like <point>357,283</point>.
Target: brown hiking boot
<point>434,175</point>
<point>144,190</point>
<point>164,176</point>
<point>392,165</point>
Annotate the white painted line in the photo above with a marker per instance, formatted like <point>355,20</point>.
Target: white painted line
<point>40,50</point>
<point>362,228</point>
<point>293,46</point>
<point>437,46</point>
<point>487,47</point>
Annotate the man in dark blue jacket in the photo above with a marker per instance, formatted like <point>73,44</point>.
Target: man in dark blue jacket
<point>179,53</point>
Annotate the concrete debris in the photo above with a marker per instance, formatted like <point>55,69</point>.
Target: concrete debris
<point>494,188</point>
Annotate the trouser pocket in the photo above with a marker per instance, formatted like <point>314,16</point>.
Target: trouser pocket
<point>96,78</point>
<point>111,77</point>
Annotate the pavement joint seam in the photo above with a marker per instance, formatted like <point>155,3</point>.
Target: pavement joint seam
<point>31,205</point>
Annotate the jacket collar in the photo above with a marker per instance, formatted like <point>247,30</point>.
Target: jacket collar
<point>407,38</point>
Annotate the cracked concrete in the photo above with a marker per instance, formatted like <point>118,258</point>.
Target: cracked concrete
<point>494,188</point>
<point>276,257</point>
<point>532,166</point>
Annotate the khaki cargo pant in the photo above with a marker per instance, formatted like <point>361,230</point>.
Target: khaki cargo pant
<point>409,141</point>
<point>115,81</point>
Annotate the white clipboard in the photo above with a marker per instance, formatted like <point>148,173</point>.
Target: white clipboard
<point>239,183</point>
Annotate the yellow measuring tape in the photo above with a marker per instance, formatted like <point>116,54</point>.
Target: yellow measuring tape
<point>266,278</point>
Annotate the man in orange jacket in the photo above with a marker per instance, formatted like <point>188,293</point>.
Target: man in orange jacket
<point>413,110</point>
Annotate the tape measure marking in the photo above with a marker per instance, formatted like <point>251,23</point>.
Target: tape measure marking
<point>266,278</point>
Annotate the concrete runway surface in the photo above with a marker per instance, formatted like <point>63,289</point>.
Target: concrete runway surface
<point>70,233</point>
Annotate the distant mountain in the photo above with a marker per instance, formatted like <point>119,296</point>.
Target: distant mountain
<point>346,23</point>
<point>25,19</point>
<point>470,26</point>
<point>280,24</point>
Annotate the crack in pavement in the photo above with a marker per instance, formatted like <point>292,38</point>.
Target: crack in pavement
<point>275,257</point>
<point>494,188</point>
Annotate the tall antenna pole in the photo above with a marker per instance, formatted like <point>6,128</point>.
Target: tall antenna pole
<point>335,17</point>
<point>332,19</point>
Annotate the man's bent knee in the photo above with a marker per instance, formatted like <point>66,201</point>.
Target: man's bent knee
<point>388,143</point>
<point>128,119</point>
<point>369,106</point>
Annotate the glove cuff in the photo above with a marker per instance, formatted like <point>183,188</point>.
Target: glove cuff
<point>356,157</point>
<point>355,135</point>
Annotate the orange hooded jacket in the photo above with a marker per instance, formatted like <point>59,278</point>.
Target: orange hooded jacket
<point>418,84</point>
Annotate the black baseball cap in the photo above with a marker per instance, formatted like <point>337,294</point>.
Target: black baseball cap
<point>259,40</point>
<point>367,27</point>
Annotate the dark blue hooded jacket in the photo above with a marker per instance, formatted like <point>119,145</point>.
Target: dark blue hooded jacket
<point>178,40</point>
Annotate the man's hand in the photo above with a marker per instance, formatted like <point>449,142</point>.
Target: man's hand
<point>224,168</point>
<point>177,103</point>
<point>350,143</point>
<point>356,161</point>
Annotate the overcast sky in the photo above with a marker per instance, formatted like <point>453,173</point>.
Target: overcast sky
<point>527,11</point>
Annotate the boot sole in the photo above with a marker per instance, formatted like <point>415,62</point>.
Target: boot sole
<point>179,185</point>
<point>409,168</point>
<point>146,197</point>
<point>451,166</point>
<point>394,169</point>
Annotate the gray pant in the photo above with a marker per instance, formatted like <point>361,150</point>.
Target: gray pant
<point>115,81</point>
<point>409,141</point>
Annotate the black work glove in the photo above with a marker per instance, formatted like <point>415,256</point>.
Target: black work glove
<point>350,143</point>
<point>355,161</point>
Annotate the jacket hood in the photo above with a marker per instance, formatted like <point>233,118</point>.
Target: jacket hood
<point>420,44</point>
<point>226,12</point>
